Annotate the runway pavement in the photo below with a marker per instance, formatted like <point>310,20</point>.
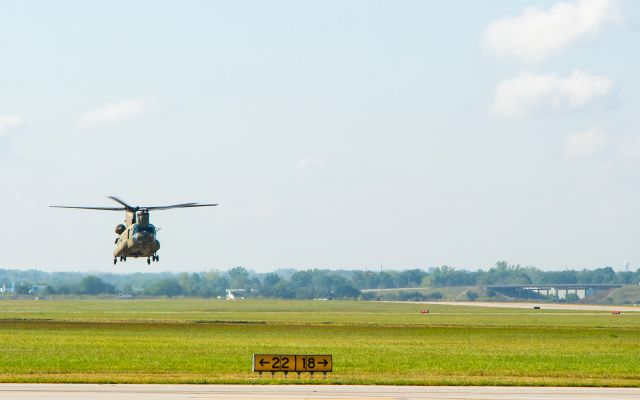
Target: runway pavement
<point>299,392</point>
<point>543,306</point>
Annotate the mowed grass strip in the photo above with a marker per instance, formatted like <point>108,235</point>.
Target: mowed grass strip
<point>303,312</point>
<point>211,341</point>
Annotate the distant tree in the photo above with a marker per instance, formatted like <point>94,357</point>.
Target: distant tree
<point>571,298</point>
<point>427,281</point>
<point>213,284</point>
<point>269,281</point>
<point>604,275</point>
<point>127,288</point>
<point>626,278</point>
<point>411,278</point>
<point>238,277</point>
<point>367,296</point>
<point>184,279</point>
<point>166,287</point>
<point>472,296</point>
<point>359,279</point>
<point>344,290</point>
<point>562,277</point>
<point>449,276</point>
<point>301,279</point>
<point>283,290</point>
<point>65,289</point>
<point>23,288</point>
<point>324,285</point>
<point>504,274</point>
<point>386,280</point>
<point>93,285</point>
<point>372,279</point>
<point>49,290</point>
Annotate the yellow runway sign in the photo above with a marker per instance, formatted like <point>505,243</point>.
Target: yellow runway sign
<point>314,363</point>
<point>292,363</point>
<point>274,363</point>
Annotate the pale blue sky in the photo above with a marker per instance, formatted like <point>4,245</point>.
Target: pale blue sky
<point>333,134</point>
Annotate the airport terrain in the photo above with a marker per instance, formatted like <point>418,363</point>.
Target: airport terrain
<point>211,341</point>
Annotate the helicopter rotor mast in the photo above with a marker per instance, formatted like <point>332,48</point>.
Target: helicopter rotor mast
<point>132,211</point>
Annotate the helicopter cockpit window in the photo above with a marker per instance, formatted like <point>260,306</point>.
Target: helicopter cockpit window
<point>144,229</point>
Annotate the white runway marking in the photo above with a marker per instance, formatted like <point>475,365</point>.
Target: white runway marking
<point>300,392</point>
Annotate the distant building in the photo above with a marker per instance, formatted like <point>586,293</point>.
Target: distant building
<point>35,289</point>
<point>5,289</point>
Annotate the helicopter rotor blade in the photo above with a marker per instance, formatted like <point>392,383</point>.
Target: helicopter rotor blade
<point>93,208</point>
<point>127,207</point>
<point>184,205</point>
<point>117,200</point>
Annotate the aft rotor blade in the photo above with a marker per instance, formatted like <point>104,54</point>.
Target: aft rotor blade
<point>93,208</point>
<point>117,200</point>
<point>185,205</point>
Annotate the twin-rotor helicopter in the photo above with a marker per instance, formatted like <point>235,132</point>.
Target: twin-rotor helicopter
<point>137,236</point>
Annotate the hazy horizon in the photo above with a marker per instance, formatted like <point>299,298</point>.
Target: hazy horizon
<point>160,270</point>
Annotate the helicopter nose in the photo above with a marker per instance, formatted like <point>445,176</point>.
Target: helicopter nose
<point>143,237</point>
<point>140,237</point>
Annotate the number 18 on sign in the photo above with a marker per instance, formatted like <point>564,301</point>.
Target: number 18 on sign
<point>292,363</point>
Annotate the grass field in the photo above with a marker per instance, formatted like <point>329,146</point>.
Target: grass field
<point>211,341</point>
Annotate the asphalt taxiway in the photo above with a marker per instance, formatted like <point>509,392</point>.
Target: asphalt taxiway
<point>312,392</point>
<point>543,306</point>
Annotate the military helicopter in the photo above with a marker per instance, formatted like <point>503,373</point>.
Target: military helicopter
<point>136,237</point>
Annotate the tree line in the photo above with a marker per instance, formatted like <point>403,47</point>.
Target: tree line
<point>292,284</point>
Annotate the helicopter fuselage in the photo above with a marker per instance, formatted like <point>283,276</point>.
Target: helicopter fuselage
<point>137,240</point>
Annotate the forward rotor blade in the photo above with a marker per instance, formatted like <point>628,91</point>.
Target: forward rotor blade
<point>93,208</point>
<point>185,205</point>
<point>117,200</point>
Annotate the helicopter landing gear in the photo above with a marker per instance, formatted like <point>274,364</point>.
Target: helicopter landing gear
<point>156,258</point>
<point>122,258</point>
<point>153,258</point>
<point>148,260</point>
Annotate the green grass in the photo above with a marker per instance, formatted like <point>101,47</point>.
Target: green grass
<point>211,341</point>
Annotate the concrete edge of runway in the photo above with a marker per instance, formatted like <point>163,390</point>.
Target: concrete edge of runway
<point>295,392</point>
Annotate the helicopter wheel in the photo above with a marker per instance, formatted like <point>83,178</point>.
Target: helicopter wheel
<point>115,260</point>
<point>148,260</point>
